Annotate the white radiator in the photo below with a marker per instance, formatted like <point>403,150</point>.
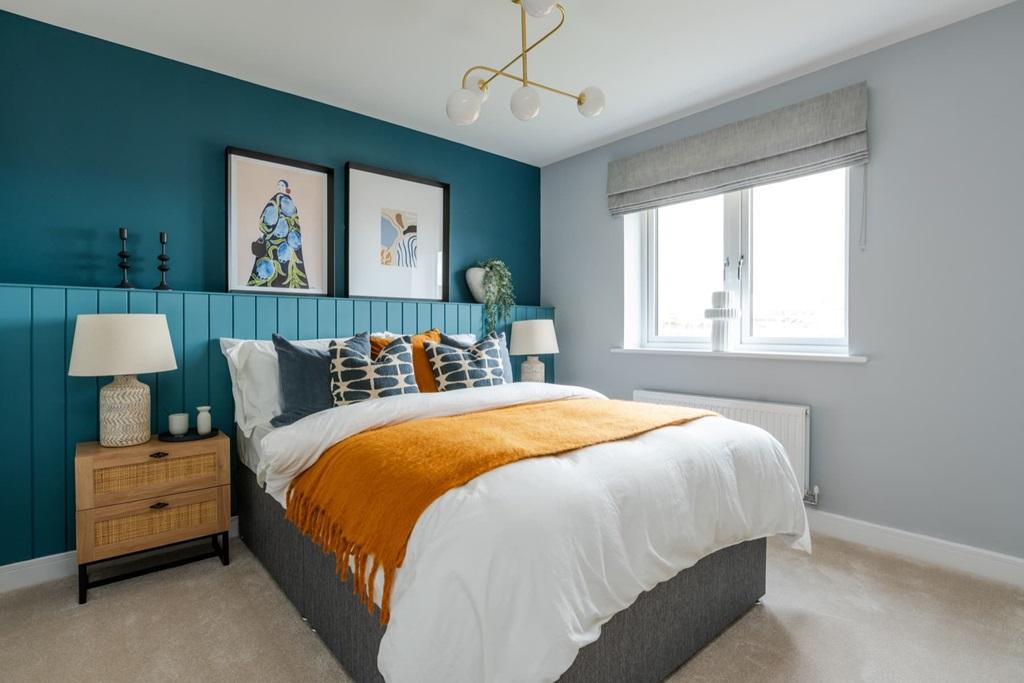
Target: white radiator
<point>790,424</point>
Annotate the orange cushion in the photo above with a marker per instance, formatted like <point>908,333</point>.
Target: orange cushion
<point>424,375</point>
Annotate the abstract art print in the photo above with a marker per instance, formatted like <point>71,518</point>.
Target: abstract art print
<point>396,238</point>
<point>280,225</point>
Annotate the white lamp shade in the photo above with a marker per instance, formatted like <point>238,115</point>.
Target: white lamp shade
<point>463,106</point>
<point>533,338</point>
<point>525,103</point>
<point>538,8</point>
<point>121,344</point>
<point>591,102</point>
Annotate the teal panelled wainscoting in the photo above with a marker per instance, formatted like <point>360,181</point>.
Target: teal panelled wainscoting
<point>46,413</point>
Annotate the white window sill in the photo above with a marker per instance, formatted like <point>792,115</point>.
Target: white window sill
<point>769,355</point>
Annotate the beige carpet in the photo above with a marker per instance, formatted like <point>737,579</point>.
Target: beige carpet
<point>843,614</point>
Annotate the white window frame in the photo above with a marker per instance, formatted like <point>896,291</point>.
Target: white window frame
<point>739,257</point>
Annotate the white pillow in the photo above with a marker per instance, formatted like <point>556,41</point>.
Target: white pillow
<point>466,339</point>
<point>254,380</point>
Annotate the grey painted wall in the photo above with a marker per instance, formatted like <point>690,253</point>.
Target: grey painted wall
<point>929,435</point>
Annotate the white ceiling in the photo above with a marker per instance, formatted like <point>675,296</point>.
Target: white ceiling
<point>398,60</point>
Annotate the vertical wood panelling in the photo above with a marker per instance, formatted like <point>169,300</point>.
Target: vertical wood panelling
<point>48,412</point>
<point>465,324</point>
<point>378,316</point>
<point>394,319</point>
<point>410,323</point>
<point>221,324</point>
<point>476,320</point>
<point>81,418</point>
<point>115,301</point>
<point>307,319</point>
<point>170,385</point>
<point>48,475</point>
<point>346,321</point>
<point>361,319</point>
<point>195,358</point>
<point>244,320</point>
<point>326,319</point>
<point>145,302</point>
<point>16,424</point>
<point>287,317</point>
<point>423,319</point>
<point>266,316</point>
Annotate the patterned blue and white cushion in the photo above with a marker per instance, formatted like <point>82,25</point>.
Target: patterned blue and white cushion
<point>478,365</point>
<point>356,377</point>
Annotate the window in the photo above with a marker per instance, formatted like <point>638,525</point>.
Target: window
<point>780,249</point>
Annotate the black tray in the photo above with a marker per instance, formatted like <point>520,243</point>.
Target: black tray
<point>190,435</point>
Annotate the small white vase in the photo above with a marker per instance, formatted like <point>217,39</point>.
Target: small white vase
<point>475,281</point>
<point>204,423</point>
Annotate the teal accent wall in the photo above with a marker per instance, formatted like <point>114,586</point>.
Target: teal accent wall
<point>46,413</point>
<point>94,136</point>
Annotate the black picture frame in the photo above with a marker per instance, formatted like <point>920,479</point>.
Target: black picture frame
<point>329,276</point>
<point>446,227</point>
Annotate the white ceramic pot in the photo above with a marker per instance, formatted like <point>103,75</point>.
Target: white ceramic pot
<point>204,422</point>
<point>475,281</point>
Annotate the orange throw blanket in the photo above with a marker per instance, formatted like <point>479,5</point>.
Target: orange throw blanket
<point>363,496</point>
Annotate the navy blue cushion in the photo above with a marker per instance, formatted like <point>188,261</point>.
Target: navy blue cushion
<point>305,377</point>
<point>355,376</point>
<point>506,361</point>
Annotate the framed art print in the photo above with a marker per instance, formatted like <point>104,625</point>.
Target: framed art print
<point>396,242</point>
<point>280,225</point>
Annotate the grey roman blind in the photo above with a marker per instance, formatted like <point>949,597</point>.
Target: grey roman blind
<point>822,133</point>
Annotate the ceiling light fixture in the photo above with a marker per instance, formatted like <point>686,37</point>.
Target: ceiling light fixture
<point>464,104</point>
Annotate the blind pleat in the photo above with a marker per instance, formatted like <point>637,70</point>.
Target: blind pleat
<point>823,133</point>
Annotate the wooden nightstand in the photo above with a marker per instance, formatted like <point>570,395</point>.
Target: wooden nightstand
<point>157,494</point>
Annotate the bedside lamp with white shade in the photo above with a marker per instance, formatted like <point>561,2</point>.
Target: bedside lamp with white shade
<point>122,345</point>
<point>532,338</point>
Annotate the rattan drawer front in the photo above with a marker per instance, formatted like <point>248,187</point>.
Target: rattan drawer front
<point>129,527</point>
<point>113,476</point>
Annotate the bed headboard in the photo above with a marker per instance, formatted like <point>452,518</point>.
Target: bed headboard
<point>45,412</point>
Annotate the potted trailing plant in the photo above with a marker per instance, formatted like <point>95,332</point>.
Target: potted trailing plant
<point>490,282</point>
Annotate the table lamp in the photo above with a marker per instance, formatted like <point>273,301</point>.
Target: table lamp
<point>532,338</point>
<point>123,345</point>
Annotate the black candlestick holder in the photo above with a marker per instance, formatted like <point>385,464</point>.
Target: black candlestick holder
<point>163,267</point>
<point>123,255</point>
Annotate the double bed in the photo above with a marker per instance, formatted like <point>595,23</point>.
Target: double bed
<point>613,562</point>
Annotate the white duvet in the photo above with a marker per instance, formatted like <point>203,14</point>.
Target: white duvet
<point>507,577</point>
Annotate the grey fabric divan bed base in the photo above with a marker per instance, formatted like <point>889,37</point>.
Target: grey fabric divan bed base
<point>644,643</point>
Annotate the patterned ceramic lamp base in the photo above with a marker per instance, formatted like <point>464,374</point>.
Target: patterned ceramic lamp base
<point>124,412</point>
<point>532,370</point>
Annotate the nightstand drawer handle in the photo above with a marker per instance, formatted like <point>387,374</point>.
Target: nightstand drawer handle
<point>158,455</point>
<point>159,506</point>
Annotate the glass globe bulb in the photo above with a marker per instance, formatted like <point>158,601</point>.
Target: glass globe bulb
<point>525,103</point>
<point>477,83</point>
<point>590,102</point>
<point>463,107</point>
<point>538,8</point>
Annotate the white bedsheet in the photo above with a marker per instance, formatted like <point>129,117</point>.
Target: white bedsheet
<point>507,577</point>
<point>250,448</point>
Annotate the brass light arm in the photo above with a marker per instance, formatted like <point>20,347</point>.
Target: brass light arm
<point>520,79</point>
<point>519,56</point>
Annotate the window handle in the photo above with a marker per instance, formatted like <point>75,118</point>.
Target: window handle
<point>725,270</point>
<point>739,267</point>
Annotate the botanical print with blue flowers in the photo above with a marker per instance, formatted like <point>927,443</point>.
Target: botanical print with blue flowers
<point>278,251</point>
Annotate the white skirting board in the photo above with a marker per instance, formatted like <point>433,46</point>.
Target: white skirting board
<point>52,567</point>
<point>947,554</point>
<point>955,556</point>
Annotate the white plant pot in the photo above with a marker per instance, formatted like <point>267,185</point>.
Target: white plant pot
<point>475,281</point>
